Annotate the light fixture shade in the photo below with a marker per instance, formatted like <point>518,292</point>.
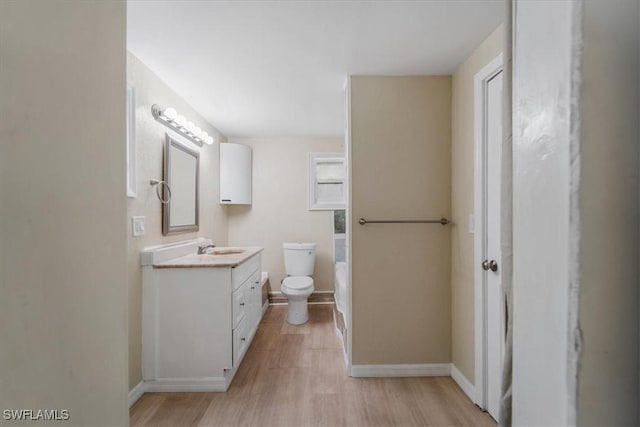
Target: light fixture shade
<point>197,132</point>
<point>170,113</point>
<point>179,124</point>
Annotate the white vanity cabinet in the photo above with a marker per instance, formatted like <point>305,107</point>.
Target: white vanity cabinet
<point>235,174</point>
<point>199,315</point>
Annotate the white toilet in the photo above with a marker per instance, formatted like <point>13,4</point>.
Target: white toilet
<point>299,259</point>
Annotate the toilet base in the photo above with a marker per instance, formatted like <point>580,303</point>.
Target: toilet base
<point>297,312</point>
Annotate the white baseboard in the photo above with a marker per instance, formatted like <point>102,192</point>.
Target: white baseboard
<point>277,298</point>
<point>420,370</point>
<point>463,383</point>
<point>191,384</point>
<point>136,393</point>
<point>315,292</point>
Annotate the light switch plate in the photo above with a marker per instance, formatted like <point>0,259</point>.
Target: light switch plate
<point>472,223</point>
<point>137,226</point>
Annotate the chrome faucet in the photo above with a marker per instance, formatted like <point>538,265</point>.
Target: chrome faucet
<point>203,249</point>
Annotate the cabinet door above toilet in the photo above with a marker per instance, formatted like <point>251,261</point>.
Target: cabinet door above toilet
<point>235,174</point>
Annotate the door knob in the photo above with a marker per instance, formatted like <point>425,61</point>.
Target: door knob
<point>490,265</point>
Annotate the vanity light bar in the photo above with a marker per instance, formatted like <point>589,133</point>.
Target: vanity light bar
<point>177,122</point>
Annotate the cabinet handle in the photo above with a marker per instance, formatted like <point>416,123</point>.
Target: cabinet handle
<point>241,304</point>
<point>253,287</point>
<point>243,339</point>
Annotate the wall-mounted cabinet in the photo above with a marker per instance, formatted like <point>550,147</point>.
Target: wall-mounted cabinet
<point>235,174</point>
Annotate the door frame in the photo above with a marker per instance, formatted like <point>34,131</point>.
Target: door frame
<point>348,230</point>
<point>481,81</point>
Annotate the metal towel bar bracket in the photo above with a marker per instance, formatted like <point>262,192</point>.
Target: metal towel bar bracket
<point>441,221</point>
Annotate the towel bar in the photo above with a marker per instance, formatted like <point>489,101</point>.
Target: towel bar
<point>441,221</point>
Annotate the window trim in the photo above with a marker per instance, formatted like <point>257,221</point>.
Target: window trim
<point>328,157</point>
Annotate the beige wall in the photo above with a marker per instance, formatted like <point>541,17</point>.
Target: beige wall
<point>63,310</point>
<point>608,373</point>
<point>279,212</point>
<point>462,186</point>
<point>150,138</point>
<point>401,168</point>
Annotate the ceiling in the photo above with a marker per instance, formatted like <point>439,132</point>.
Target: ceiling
<point>278,68</point>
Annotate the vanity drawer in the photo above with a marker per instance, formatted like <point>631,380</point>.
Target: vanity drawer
<point>240,300</point>
<point>242,272</point>
<point>240,339</point>
<point>253,282</point>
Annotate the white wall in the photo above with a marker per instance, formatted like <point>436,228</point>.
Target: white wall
<point>279,212</point>
<point>63,304</point>
<point>150,139</point>
<point>608,386</point>
<point>576,213</point>
<point>541,211</point>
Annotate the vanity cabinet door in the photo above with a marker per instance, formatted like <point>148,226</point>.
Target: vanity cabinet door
<point>255,292</point>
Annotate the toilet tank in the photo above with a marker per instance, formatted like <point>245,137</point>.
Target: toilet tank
<point>299,258</point>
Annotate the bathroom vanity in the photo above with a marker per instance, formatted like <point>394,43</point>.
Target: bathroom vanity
<point>199,314</point>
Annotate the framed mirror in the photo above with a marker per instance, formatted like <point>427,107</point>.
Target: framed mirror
<point>181,173</point>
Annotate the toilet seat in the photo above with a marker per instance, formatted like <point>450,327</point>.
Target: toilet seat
<point>298,283</point>
<point>297,286</point>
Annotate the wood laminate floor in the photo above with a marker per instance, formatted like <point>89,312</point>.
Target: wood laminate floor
<point>295,376</point>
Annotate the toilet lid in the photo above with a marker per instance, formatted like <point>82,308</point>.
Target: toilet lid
<point>298,282</point>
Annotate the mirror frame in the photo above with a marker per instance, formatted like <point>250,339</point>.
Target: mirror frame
<point>166,207</point>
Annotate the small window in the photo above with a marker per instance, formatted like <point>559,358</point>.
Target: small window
<point>326,181</point>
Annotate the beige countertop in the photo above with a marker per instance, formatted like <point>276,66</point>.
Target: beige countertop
<point>211,260</point>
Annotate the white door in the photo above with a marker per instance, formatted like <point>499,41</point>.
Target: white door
<point>495,307</point>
